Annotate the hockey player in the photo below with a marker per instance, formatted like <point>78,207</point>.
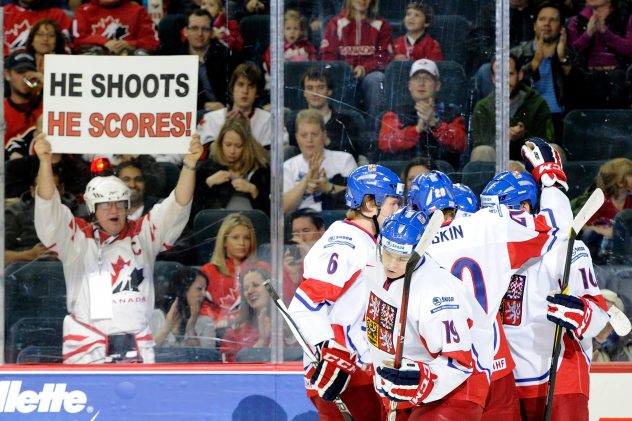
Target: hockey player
<point>108,264</point>
<point>329,304</point>
<point>487,248</point>
<point>437,356</point>
<point>466,201</point>
<point>524,313</point>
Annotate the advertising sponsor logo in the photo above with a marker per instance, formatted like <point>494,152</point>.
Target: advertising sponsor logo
<point>53,398</point>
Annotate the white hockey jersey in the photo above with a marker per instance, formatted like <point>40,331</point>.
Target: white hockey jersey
<point>128,260</point>
<point>530,334</point>
<point>330,302</point>
<point>437,323</point>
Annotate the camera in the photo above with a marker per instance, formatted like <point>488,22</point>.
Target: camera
<point>295,250</point>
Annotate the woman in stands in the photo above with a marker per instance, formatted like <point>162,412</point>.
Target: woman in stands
<point>237,175</point>
<point>178,321</point>
<point>45,37</point>
<point>235,243</point>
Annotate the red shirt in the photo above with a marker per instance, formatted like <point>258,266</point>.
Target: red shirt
<point>224,290</point>
<point>18,22</point>
<point>424,47</point>
<point>20,118</point>
<point>229,30</point>
<point>606,213</point>
<point>235,340</point>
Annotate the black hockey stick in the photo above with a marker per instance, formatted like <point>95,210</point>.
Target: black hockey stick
<point>344,411</point>
<point>591,206</point>
<point>429,233</point>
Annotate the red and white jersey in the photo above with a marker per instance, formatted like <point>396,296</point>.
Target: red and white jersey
<point>485,249</point>
<point>530,334</point>
<point>127,259</point>
<point>330,302</point>
<point>18,22</point>
<point>437,323</point>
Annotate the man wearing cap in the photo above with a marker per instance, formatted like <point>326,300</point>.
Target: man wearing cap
<point>426,127</point>
<point>24,103</point>
<point>607,345</point>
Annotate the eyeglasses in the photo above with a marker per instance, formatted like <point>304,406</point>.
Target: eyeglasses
<point>121,204</point>
<point>199,28</point>
<point>134,179</point>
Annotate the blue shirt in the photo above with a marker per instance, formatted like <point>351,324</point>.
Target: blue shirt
<point>546,87</point>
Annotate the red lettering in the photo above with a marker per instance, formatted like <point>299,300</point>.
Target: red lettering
<point>125,126</point>
<point>73,123</point>
<point>178,124</point>
<point>55,123</point>
<point>96,125</point>
<point>146,128</point>
<point>109,131</point>
<point>162,125</point>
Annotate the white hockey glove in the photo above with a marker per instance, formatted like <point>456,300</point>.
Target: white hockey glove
<point>570,312</point>
<point>544,163</point>
<point>333,372</point>
<point>413,382</point>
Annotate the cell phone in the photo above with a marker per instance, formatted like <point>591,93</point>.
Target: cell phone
<point>295,250</point>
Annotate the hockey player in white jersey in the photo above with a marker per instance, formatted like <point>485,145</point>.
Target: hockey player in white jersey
<point>329,304</point>
<point>437,357</point>
<point>487,248</point>
<point>108,264</point>
<point>533,296</point>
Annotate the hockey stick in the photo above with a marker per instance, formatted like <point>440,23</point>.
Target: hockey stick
<point>619,321</point>
<point>591,206</point>
<point>344,411</point>
<point>429,233</point>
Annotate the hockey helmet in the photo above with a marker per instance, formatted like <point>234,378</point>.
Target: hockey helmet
<point>372,179</point>
<point>465,198</point>
<point>105,189</point>
<point>430,192</point>
<point>510,188</point>
<point>402,231</point>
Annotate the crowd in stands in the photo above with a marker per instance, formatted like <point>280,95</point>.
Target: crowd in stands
<point>365,81</point>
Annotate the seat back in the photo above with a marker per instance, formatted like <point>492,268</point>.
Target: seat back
<point>34,331</point>
<point>254,355</point>
<point>187,355</point>
<point>34,354</point>
<point>451,32</point>
<point>581,175</point>
<point>476,175</point>
<point>598,134</point>
<point>255,29</point>
<point>622,237</point>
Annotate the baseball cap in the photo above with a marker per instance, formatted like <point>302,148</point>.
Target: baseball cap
<point>20,60</point>
<point>424,65</point>
<point>612,297</point>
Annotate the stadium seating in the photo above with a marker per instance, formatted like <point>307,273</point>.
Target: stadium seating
<point>172,173</point>
<point>187,355</point>
<point>255,29</point>
<point>169,33</point>
<point>581,175</point>
<point>263,355</point>
<point>40,355</point>
<point>622,237</point>
<point>207,222</point>
<point>451,31</point>
<point>598,134</point>
<point>476,175</point>
<point>33,331</point>
<point>397,166</point>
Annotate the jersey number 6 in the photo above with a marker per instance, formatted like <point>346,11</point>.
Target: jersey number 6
<point>332,266</point>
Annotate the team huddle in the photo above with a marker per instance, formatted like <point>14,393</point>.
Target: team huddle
<point>481,311</point>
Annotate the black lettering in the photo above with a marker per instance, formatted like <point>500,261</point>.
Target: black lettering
<point>458,231</point>
<point>167,79</point>
<point>443,236</point>
<point>98,88</point>
<point>128,90</point>
<point>75,82</point>
<point>112,84</point>
<point>150,93</point>
<point>182,80</point>
<point>54,83</point>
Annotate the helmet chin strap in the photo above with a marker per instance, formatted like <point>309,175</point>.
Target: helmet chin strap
<point>374,219</point>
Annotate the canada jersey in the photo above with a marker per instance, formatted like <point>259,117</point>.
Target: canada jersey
<point>437,323</point>
<point>530,334</point>
<point>329,303</point>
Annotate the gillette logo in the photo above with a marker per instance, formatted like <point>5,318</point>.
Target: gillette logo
<point>52,398</point>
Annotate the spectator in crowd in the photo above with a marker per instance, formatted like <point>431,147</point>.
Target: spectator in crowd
<point>417,43</point>
<point>414,167</point>
<point>607,345</point>
<point>249,7</point>
<point>521,18</point>
<point>546,62</point>
<point>307,228</point>
<point>179,321</point>
<point>317,177</point>
<point>296,47</point>
<point>343,131</point>
<point>108,264</point>
<point>20,239</point>
<point>244,88</point>
<point>314,10</point>
<point>23,104</point>
<point>235,243</point>
<point>615,179</point>
<point>225,30</point>
<point>131,173</point>
<point>217,62</point>
<point>116,26</point>
<point>21,15</point>
<point>359,37</point>
<point>529,117</point>
<point>237,175</point>
<point>602,36</point>
<point>44,38</point>
<point>252,326</point>
<point>427,128</point>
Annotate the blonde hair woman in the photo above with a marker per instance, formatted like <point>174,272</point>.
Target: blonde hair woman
<point>235,243</point>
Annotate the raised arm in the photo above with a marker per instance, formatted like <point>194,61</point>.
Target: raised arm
<point>45,182</point>
<point>186,182</point>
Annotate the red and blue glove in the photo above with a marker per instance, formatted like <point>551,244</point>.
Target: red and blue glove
<point>413,382</point>
<point>570,312</point>
<point>331,375</point>
<point>543,162</point>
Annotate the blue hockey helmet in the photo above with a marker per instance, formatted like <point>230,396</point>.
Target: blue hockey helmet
<point>372,179</point>
<point>402,230</point>
<point>510,188</point>
<point>465,198</point>
<point>430,192</point>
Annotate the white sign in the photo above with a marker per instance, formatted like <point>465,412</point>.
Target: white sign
<point>120,105</point>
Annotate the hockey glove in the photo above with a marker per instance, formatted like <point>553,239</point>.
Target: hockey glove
<point>543,162</point>
<point>413,382</point>
<point>570,312</point>
<point>333,372</point>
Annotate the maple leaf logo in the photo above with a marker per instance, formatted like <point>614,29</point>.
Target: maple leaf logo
<point>118,266</point>
<point>230,299</point>
<point>111,28</point>
<point>16,37</point>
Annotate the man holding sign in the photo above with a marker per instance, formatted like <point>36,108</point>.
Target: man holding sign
<point>108,264</point>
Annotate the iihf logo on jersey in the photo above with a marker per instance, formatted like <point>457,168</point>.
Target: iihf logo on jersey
<point>380,322</point>
<point>125,278</point>
<point>511,307</point>
<point>110,28</point>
